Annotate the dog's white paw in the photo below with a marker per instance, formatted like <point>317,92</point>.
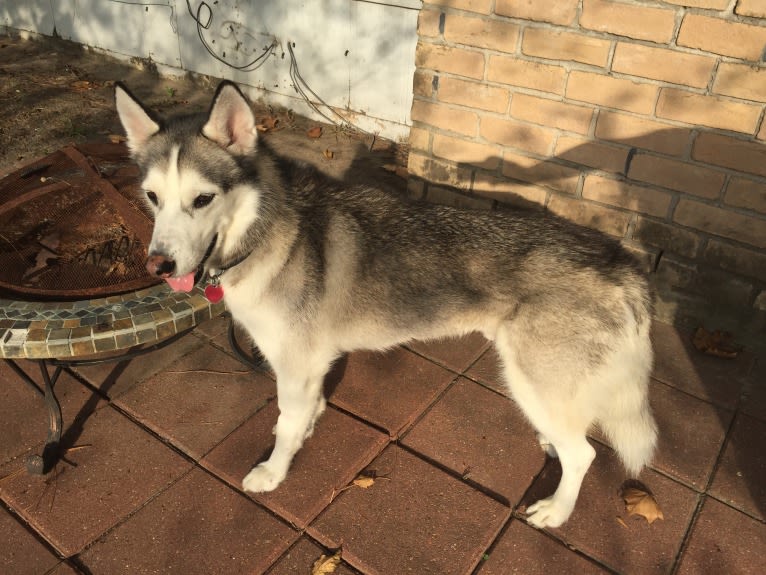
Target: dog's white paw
<point>262,478</point>
<point>548,513</point>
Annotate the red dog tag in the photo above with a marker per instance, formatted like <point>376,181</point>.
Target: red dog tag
<point>213,293</point>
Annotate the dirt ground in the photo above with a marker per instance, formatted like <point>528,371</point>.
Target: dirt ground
<point>55,93</point>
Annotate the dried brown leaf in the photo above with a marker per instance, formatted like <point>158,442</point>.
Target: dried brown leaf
<point>314,132</point>
<point>718,343</point>
<point>326,565</point>
<point>268,124</point>
<point>80,85</point>
<point>643,503</point>
<point>364,482</point>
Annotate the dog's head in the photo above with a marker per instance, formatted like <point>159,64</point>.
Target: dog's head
<point>196,181</point>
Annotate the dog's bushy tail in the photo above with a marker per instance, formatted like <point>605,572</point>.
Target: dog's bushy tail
<point>627,420</point>
<point>634,437</point>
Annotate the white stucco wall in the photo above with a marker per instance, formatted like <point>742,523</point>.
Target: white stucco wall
<point>356,55</point>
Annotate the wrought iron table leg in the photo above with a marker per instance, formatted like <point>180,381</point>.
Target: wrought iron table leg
<point>42,464</point>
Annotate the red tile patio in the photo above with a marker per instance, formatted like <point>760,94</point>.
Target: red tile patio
<point>158,447</point>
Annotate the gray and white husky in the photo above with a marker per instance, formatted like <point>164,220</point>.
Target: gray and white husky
<point>313,269</point>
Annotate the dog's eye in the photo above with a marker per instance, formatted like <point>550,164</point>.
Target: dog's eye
<point>152,197</point>
<point>202,200</point>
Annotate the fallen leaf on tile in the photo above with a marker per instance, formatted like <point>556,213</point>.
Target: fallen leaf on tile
<point>641,502</point>
<point>326,565</point>
<point>364,482</point>
<point>718,343</point>
<point>314,132</point>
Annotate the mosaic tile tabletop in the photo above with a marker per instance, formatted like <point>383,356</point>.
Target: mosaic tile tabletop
<point>37,330</point>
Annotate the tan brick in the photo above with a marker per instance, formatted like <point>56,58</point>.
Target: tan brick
<point>745,193</point>
<point>562,115</point>
<point>445,117</point>
<point>642,133</point>
<point>540,172</point>
<point>612,92</point>
<point>553,11</point>
<point>480,6</point>
<point>482,33</point>
<point>517,135</point>
<point>640,22</point>
<point>591,154</point>
<point>721,222</point>
<point>722,37</point>
<point>465,152</point>
<point>730,153</point>
<point>561,45</point>
<point>753,8</point>
<point>449,59</point>
<point>423,84</point>
<point>635,198</point>
<point>663,64</point>
<point>762,131</point>
<point>447,197</point>
<point>473,94</point>
<point>741,81</point>
<point>736,259</point>
<point>509,191</point>
<point>667,237</point>
<point>676,175</point>
<point>609,221</point>
<point>437,171</point>
<point>711,111</point>
<point>533,75</point>
<point>709,4</point>
<point>428,22</point>
<point>419,139</point>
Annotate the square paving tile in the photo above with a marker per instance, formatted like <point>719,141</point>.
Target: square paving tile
<point>329,460</point>
<point>724,540</point>
<point>483,437</point>
<point>21,553</point>
<point>300,559</point>
<point>389,390</point>
<point>455,353</point>
<point>487,371</point>
<point>523,549</point>
<point>678,363</point>
<point>740,479</point>
<point>595,530</point>
<point>114,378</point>
<point>198,400</point>
<point>691,434</point>
<point>199,525</point>
<point>23,415</point>
<point>119,468</point>
<point>415,518</point>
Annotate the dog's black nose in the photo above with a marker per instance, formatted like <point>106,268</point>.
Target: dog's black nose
<point>159,265</point>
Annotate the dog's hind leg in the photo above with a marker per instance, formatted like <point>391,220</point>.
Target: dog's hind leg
<point>300,404</point>
<point>561,424</point>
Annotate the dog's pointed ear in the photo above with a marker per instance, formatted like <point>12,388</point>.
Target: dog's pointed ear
<point>231,123</point>
<point>138,123</point>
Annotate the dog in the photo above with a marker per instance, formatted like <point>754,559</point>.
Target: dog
<point>313,269</point>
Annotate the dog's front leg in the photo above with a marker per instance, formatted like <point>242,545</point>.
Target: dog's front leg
<point>300,404</point>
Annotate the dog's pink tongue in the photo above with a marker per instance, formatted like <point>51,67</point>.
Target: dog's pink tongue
<point>181,283</point>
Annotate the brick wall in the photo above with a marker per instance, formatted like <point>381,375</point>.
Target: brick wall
<point>644,119</point>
